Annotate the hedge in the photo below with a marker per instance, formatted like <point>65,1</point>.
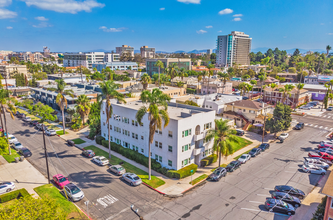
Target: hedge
<point>191,91</point>
<point>208,160</point>
<point>183,172</point>
<point>13,195</point>
<point>99,139</point>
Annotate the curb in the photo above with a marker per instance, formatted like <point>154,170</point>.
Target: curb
<point>153,188</point>
<point>202,182</point>
<point>82,211</point>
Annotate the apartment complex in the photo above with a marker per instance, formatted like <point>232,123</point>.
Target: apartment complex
<point>177,145</point>
<point>147,52</point>
<point>216,87</point>
<point>116,66</point>
<point>46,51</point>
<point>125,49</point>
<point>233,48</point>
<point>181,63</point>
<point>9,70</point>
<point>111,57</point>
<point>83,59</point>
<point>274,95</point>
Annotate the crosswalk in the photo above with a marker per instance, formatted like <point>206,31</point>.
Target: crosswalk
<point>318,126</point>
<point>326,116</point>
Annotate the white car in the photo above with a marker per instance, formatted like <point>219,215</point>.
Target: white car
<point>244,158</point>
<point>283,136</point>
<point>17,145</point>
<point>100,160</point>
<point>326,142</point>
<point>73,192</point>
<point>313,169</point>
<point>6,187</point>
<point>306,107</point>
<point>316,162</point>
<point>12,138</point>
<point>50,132</point>
<point>27,119</point>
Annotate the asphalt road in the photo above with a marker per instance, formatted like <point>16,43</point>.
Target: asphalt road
<point>241,194</point>
<point>321,122</point>
<point>109,197</point>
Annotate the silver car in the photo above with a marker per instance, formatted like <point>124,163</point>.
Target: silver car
<point>117,169</point>
<point>73,192</point>
<point>17,145</point>
<point>283,136</point>
<point>244,158</point>
<point>50,132</point>
<point>316,162</point>
<point>27,119</point>
<point>132,179</point>
<point>313,169</point>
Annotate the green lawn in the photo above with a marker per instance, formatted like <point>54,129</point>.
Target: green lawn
<point>10,158</point>
<point>242,143</point>
<point>222,165</point>
<point>198,179</point>
<point>78,141</point>
<point>154,182</point>
<point>50,191</point>
<point>61,132</point>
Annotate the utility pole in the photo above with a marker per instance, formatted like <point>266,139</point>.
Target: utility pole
<point>263,130</point>
<point>47,163</point>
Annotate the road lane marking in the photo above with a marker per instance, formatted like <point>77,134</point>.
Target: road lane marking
<point>316,126</point>
<point>107,200</point>
<point>331,129</point>
<point>289,171</point>
<point>310,125</point>
<point>263,195</point>
<point>268,188</point>
<point>324,116</point>
<point>326,128</point>
<point>328,116</point>
<point>255,202</point>
<point>320,126</point>
<point>115,215</point>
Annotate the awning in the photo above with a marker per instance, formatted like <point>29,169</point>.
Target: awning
<point>258,125</point>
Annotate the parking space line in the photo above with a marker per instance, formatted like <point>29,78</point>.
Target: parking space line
<point>316,126</point>
<point>255,202</point>
<point>263,195</point>
<point>310,125</point>
<point>324,116</point>
<point>331,129</point>
<point>328,116</point>
<point>326,128</point>
<point>256,210</point>
<point>320,126</point>
<point>289,171</point>
<point>268,188</point>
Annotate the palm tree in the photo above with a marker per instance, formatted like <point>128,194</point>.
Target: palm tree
<point>286,92</point>
<point>265,61</point>
<point>328,48</point>
<point>248,89</point>
<point>157,111</point>
<point>83,106</point>
<point>246,76</point>
<point>253,83</point>
<point>210,72</point>
<point>145,80</point>
<point>224,138</point>
<point>224,77</point>
<point>61,99</point>
<point>109,91</point>
<point>199,79</point>
<point>330,96</point>
<point>273,86</point>
<point>262,79</point>
<point>172,70</point>
<point>299,87</point>
<point>301,66</point>
<point>160,65</point>
<point>182,73</point>
<point>242,87</point>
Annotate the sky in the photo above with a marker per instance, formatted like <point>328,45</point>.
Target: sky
<point>167,25</point>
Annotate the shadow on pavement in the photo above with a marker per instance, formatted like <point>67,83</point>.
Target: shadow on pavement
<point>307,149</point>
<point>26,133</point>
<point>314,178</point>
<point>287,160</point>
<point>91,179</point>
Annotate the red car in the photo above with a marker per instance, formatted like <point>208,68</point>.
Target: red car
<point>60,180</point>
<point>323,145</point>
<point>323,155</point>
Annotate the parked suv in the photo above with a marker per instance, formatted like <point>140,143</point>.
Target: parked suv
<point>299,126</point>
<point>73,192</point>
<point>218,174</point>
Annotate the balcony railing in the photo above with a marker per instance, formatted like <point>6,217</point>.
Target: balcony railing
<point>198,137</point>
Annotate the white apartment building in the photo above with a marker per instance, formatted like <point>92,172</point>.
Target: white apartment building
<point>177,145</point>
<point>83,59</point>
<point>111,57</point>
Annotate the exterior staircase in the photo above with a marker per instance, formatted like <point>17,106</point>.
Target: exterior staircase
<point>246,120</point>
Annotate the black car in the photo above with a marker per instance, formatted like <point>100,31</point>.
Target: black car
<point>275,205</point>
<point>299,126</point>
<point>294,201</point>
<point>233,166</point>
<point>255,151</point>
<point>245,98</point>
<point>25,152</point>
<point>34,122</point>
<point>290,190</point>
<point>218,174</point>
<point>240,132</point>
<point>70,143</point>
<point>263,146</point>
<point>88,153</point>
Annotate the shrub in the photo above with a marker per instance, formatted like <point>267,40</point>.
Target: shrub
<point>208,160</point>
<point>191,91</point>
<point>99,139</point>
<point>182,173</point>
<point>13,195</point>
<point>320,212</point>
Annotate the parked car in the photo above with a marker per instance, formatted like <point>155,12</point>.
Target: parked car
<point>40,126</point>
<point>325,150</point>
<point>60,180</point>
<point>323,155</point>
<point>244,158</point>
<point>264,146</point>
<point>285,197</point>
<point>17,145</point>
<point>306,107</point>
<point>316,162</point>
<point>319,159</point>
<point>100,160</point>
<point>313,169</point>
<point>299,126</point>
<point>33,122</point>
<point>73,192</point>
<point>27,119</point>
<point>290,190</point>
<point>11,138</point>
<point>117,169</point>
<point>234,165</point>
<point>6,187</point>
<point>88,153</point>
<point>315,103</point>
<point>217,174</point>
<point>283,136</point>
<point>329,108</point>
<point>132,179</point>
<point>255,151</point>
<point>323,145</point>
<point>70,143</point>
<point>50,132</point>
<point>25,152</point>
<point>275,205</point>
<point>327,142</point>
<point>240,132</point>
<point>20,115</point>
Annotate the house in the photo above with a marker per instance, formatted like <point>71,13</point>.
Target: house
<point>328,191</point>
<point>136,90</point>
<point>268,81</point>
<point>290,77</point>
<point>211,87</point>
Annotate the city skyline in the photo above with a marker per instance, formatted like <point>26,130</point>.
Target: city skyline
<point>167,26</point>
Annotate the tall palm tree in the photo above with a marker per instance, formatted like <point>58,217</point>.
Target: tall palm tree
<point>262,79</point>
<point>145,80</point>
<point>160,65</point>
<point>330,96</point>
<point>224,77</point>
<point>299,87</point>
<point>172,70</point>
<point>210,72</point>
<point>249,88</point>
<point>328,48</point>
<point>253,83</point>
<point>286,92</point>
<point>182,73</point>
<point>157,112</point>
<point>224,138</point>
<point>109,91</point>
<point>83,106</point>
<point>6,106</point>
<point>273,86</point>
<point>199,79</point>
<point>242,87</point>
<point>61,99</point>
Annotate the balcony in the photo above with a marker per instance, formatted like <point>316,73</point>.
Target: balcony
<point>197,151</point>
<point>198,137</point>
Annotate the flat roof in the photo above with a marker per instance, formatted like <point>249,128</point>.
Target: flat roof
<point>328,188</point>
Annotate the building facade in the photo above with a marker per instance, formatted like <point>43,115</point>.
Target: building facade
<point>125,49</point>
<point>83,59</point>
<point>116,66</point>
<point>216,87</point>
<point>46,51</point>
<point>147,52</point>
<point>328,191</point>
<point>181,63</point>
<point>111,57</point>
<point>177,145</point>
<point>9,70</point>
<point>233,48</point>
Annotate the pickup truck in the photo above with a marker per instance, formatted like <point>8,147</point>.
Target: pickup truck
<point>325,156</point>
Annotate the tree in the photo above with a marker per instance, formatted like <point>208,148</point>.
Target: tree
<point>95,119</point>
<point>281,119</point>
<point>157,112</point>
<point>44,111</point>
<point>328,48</point>
<point>253,83</point>
<point>224,77</point>
<point>224,138</point>
<point>83,106</point>
<point>286,92</point>
<point>182,73</point>
<point>160,65</point>
<point>145,80</point>
<point>231,72</point>
<point>172,70</point>
<point>292,70</point>
<point>61,99</point>
<point>190,102</point>
<point>245,77</point>
<point>299,87</point>
<point>243,87</point>
<point>109,91</point>
<point>6,106</point>
<point>262,79</point>
<point>265,61</point>
<point>330,96</point>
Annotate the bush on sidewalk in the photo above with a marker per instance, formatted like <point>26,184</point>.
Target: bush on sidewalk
<point>208,160</point>
<point>320,212</point>
<point>183,172</point>
<point>99,139</point>
<point>14,195</point>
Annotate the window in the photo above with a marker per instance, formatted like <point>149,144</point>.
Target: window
<point>244,110</point>
<point>160,145</point>
<point>186,133</point>
<point>156,143</point>
<point>133,135</point>
<point>156,157</point>
<point>141,137</point>
<point>142,151</point>
<point>126,144</point>
<point>251,111</point>
<point>186,162</point>
<point>170,163</point>
<point>103,123</point>
<point>186,147</point>
<point>136,136</point>
<point>160,159</point>
<point>170,134</point>
<point>170,148</point>
<point>132,122</point>
<point>110,127</point>
<point>160,131</point>
<point>118,141</point>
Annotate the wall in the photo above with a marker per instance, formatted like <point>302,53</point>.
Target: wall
<point>318,96</point>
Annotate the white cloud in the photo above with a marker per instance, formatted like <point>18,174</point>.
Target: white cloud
<point>190,1</point>
<point>322,24</point>
<point>105,29</point>
<point>225,11</point>
<point>220,31</point>
<point>285,37</point>
<point>9,27</point>
<point>41,18</point>
<point>162,9</point>
<point>210,26</point>
<point>237,15</point>
<point>237,19</point>
<point>201,32</point>
<point>4,13</point>
<point>4,3</point>
<point>65,6</point>
<point>330,33</point>
<point>42,25</point>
